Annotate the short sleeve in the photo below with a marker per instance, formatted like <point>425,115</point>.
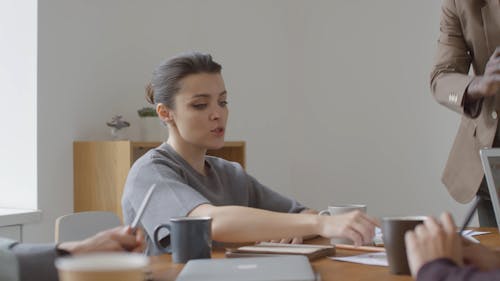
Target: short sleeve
<point>263,197</point>
<point>173,197</point>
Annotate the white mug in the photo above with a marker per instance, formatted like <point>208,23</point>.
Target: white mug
<point>102,267</point>
<point>338,209</point>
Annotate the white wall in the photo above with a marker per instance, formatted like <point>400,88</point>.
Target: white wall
<point>18,62</point>
<point>366,127</point>
<point>331,97</point>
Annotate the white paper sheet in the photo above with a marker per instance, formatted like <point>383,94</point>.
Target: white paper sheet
<point>370,259</point>
<point>377,239</point>
<point>470,232</point>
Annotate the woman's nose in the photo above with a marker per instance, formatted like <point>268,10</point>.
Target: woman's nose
<point>215,115</point>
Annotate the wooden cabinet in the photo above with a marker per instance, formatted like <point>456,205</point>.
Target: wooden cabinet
<point>100,169</point>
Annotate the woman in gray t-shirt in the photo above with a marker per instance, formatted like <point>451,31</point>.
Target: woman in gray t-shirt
<point>190,97</point>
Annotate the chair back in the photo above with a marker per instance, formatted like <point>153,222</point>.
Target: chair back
<point>78,226</point>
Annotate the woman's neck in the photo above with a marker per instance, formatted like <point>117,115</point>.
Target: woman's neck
<point>194,155</point>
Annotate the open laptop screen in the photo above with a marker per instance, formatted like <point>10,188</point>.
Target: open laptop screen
<point>490,157</point>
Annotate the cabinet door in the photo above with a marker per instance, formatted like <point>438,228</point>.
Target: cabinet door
<point>100,171</point>
<point>231,151</point>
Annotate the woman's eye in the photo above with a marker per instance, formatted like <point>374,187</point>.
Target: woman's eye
<point>223,103</point>
<point>200,105</point>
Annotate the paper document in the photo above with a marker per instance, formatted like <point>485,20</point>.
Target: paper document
<point>379,258</point>
<point>377,239</point>
<point>470,232</point>
<point>284,249</point>
<point>308,246</point>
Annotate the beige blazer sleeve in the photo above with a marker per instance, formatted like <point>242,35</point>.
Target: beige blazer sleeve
<point>449,77</point>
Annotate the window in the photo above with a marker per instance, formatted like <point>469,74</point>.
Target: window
<point>18,85</point>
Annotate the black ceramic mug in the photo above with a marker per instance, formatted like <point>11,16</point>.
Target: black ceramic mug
<point>190,238</point>
<point>393,234</point>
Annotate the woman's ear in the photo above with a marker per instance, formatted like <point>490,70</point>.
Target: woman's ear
<point>164,113</point>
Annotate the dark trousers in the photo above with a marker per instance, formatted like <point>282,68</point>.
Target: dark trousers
<point>485,211</point>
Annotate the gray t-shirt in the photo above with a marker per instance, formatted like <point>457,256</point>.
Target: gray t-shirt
<point>180,189</point>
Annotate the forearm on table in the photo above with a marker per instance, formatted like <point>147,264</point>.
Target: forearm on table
<point>244,224</point>
<point>313,212</point>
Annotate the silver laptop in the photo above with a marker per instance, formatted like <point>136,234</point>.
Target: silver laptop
<point>282,268</point>
<point>490,157</point>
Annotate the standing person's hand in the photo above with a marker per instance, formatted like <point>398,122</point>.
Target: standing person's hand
<point>122,238</point>
<point>432,240</point>
<point>488,84</point>
<point>355,225</point>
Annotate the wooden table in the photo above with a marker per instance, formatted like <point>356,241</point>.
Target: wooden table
<point>164,270</point>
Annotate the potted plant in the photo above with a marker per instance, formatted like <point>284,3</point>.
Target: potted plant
<point>147,112</point>
<point>151,128</point>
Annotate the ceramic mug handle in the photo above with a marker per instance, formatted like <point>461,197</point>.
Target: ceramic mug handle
<point>324,213</point>
<point>157,241</point>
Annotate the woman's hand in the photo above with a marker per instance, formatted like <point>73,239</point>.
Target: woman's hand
<point>355,225</point>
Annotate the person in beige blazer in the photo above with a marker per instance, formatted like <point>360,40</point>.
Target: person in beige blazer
<point>470,36</point>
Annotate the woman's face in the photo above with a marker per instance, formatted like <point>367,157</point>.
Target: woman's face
<point>200,112</point>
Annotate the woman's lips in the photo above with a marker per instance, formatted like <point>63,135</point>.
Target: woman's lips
<point>219,131</point>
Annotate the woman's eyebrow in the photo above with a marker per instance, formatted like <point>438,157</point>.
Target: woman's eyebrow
<point>200,96</point>
<point>203,95</point>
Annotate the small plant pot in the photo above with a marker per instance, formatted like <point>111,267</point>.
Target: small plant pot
<point>152,129</point>
<point>119,134</point>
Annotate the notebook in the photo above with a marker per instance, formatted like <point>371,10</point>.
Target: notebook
<point>490,157</point>
<point>267,248</point>
<point>282,268</point>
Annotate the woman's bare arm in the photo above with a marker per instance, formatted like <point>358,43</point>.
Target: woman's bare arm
<point>244,224</point>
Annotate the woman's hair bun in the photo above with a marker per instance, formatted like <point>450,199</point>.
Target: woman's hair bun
<point>150,95</point>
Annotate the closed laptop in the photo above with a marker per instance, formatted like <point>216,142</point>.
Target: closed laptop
<point>282,268</point>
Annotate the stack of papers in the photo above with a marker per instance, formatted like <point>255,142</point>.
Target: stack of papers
<point>381,258</point>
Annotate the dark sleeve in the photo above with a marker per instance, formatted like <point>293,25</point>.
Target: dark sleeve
<point>36,261</point>
<point>265,198</point>
<point>447,270</point>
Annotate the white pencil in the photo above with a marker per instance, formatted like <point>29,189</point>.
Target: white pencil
<point>145,202</point>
